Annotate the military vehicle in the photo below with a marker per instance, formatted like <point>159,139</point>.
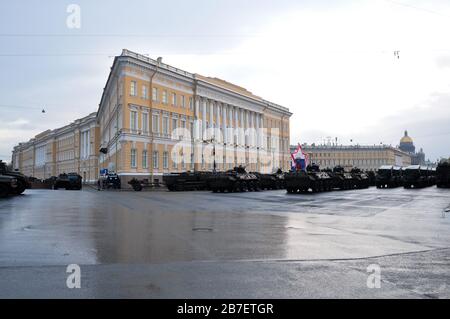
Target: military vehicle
<point>443,174</point>
<point>360,177</point>
<point>8,186</point>
<point>234,180</point>
<point>372,178</point>
<point>187,181</point>
<point>389,176</point>
<point>68,181</point>
<point>343,180</point>
<point>109,180</point>
<point>270,181</point>
<point>416,176</point>
<point>312,179</point>
<point>22,181</point>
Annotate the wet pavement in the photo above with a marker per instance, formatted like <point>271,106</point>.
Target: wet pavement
<point>241,245</point>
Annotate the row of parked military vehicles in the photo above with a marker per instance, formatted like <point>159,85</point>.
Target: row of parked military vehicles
<point>313,179</point>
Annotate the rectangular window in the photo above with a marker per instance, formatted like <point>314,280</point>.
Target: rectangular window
<point>144,92</point>
<point>133,88</point>
<point>155,94</point>
<point>191,103</point>
<point>183,102</point>
<point>133,120</point>
<point>164,96</point>
<point>174,99</point>
<point>145,122</point>
<point>174,160</point>
<point>144,159</point>
<point>166,160</point>
<point>133,157</point>
<point>174,127</point>
<point>155,159</point>
<point>165,124</point>
<point>155,123</point>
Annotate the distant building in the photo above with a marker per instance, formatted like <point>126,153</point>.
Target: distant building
<point>362,156</point>
<point>407,145</point>
<point>71,148</point>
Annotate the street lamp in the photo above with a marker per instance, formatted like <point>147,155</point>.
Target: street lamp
<point>213,141</point>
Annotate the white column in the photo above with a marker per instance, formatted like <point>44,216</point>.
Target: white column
<point>203,119</point>
<point>196,120</point>
<point>211,118</point>
<point>224,122</point>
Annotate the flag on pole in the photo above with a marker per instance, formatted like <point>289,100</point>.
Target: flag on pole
<point>299,159</point>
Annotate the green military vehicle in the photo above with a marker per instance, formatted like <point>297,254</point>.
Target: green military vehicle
<point>22,181</point>
<point>8,186</point>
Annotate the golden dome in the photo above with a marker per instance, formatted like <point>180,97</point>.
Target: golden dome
<point>406,138</point>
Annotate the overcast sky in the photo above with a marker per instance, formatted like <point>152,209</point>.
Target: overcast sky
<point>331,63</point>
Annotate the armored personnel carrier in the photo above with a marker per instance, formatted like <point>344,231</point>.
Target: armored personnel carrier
<point>22,181</point>
<point>187,181</point>
<point>313,179</point>
<point>270,181</point>
<point>389,176</point>
<point>68,181</point>
<point>361,178</point>
<point>443,174</point>
<point>234,180</point>
<point>8,185</point>
<point>343,180</point>
<point>416,176</point>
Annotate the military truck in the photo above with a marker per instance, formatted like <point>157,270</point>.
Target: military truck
<point>187,181</point>
<point>389,176</point>
<point>22,181</point>
<point>443,174</point>
<point>416,176</point>
<point>234,180</point>
<point>68,181</point>
<point>109,180</point>
<point>8,186</point>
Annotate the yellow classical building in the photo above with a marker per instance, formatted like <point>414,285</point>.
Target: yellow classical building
<point>72,148</point>
<point>366,157</point>
<point>153,119</point>
<point>156,119</point>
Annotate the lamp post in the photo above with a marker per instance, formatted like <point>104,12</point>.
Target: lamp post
<point>213,141</point>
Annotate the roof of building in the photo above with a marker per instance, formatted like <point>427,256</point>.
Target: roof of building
<point>406,139</point>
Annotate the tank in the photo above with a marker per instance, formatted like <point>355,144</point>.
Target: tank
<point>313,179</point>
<point>389,176</point>
<point>68,181</point>
<point>443,174</point>
<point>343,180</point>
<point>22,181</point>
<point>270,181</point>
<point>187,181</point>
<point>234,180</point>
<point>8,185</point>
<point>360,177</point>
<point>416,176</point>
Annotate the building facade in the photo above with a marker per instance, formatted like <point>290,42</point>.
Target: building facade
<point>363,157</point>
<point>72,148</point>
<point>154,119</point>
